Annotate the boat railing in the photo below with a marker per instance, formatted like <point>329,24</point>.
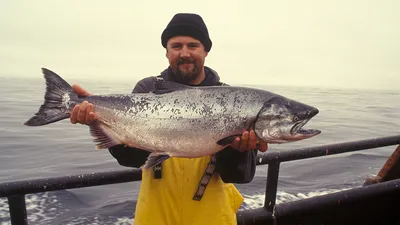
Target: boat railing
<point>15,191</point>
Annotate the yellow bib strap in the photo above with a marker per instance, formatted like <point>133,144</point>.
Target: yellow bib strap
<point>208,173</point>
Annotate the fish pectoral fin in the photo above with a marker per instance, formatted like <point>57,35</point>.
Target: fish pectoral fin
<point>103,136</point>
<point>228,140</point>
<point>155,159</point>
<point>162,87</point>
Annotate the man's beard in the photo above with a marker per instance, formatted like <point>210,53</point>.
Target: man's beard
<point>189,76</point>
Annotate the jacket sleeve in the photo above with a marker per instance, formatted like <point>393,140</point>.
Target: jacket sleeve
<point>234,166</point>
<point>127,156</point>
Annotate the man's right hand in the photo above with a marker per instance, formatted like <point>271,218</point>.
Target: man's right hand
<point>82,113</point>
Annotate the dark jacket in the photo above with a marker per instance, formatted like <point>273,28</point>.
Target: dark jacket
<point>232,165</point>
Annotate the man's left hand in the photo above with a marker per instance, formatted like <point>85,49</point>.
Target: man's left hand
<point>249,141</point>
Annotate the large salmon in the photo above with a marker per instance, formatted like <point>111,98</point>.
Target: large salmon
<point>176,120</point>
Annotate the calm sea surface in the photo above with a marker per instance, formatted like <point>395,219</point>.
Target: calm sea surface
<point>63,149</point>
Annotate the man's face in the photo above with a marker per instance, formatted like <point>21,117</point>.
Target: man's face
<point>186,57</point>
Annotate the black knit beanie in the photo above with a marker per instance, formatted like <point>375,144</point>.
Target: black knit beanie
<point>187,24</point>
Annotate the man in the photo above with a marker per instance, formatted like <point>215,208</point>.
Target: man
<point>180,190</point>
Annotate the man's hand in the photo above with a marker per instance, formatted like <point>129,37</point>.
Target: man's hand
<point>82,113</point>
<point>248,142</point>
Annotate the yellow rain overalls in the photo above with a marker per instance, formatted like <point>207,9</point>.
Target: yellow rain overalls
<point>169,201</point>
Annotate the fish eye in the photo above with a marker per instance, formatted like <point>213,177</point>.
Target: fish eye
<point>295,119</point>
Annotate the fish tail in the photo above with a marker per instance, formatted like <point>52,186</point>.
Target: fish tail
<point>57,101</point>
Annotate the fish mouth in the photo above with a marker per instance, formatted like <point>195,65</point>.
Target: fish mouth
<point>297,132</point>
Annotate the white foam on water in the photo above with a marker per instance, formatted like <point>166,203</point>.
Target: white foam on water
<point>45,208</point>
<point>4,213</point>
<point>257,200</point>
<point>124,221</point>
<point>41,208</point>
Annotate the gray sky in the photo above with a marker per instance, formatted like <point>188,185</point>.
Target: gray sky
<point>354,43</point>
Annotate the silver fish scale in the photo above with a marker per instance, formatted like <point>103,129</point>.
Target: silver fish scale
<point>184,123</point>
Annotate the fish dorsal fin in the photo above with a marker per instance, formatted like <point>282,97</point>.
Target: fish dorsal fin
<point>104,137</point>
<point>163,86</point>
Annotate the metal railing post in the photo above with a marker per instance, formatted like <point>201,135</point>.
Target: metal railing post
<point>271,186</point>
<point>17,206</point>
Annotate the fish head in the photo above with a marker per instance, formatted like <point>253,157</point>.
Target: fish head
<point>281,120</point>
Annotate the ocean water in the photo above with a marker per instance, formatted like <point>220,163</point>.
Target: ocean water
<point>64,149</point>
